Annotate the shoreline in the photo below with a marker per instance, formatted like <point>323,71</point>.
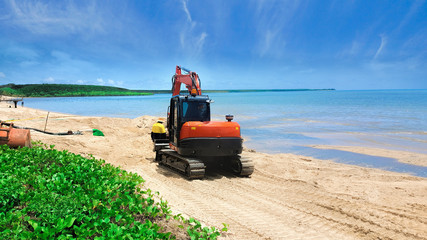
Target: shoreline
<point>407,157</point>
<point>290,196</point>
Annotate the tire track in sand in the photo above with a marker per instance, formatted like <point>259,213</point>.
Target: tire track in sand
<point>376,220</point>
<point>278,207</point>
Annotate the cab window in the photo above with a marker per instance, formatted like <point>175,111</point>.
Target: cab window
<point>195,111</point>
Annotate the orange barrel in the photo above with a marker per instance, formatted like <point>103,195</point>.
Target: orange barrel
<point>14,137</point>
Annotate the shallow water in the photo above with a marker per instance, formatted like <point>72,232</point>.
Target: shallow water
<point>385,163</point>
<point>277,122</point>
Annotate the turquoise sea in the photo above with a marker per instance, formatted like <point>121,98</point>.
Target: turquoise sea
<point>283,122</point>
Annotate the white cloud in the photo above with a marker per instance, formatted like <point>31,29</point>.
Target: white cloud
<point>100,81</point>
<point>306,71</point>
<point>22,56</point>
<point>273,21</point>
<point>353,50</point>
<point>381,47</point>
<point>20,52</point>
<point>415,7</point>
<point>110,82</point>
<point>192,37</point>
<point>56,18</point>
<point>268,41</point>
<point>2,75</point>
<point>25,64</point>
<point>184,6</point>
<point>200,42</point>
<point>80,81</point>
<point>49,80</point>
<point>60,56</point>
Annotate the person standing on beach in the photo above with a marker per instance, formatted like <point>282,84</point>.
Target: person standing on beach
<point>158,131</point>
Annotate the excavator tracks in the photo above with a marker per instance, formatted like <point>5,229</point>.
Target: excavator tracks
<point>192,168</point>
<point>195,169</point>
<point>242,166</point>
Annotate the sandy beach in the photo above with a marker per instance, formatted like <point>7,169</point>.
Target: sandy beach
<point>287,197</point>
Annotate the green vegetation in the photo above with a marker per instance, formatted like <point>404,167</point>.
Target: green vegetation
<point>65,90</point>
<point>51,194</point>
<point>71,90</point>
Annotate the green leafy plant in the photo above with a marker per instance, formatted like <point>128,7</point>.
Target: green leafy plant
<point>46,193</point>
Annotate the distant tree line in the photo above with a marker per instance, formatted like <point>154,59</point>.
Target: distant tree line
<point>65,90</point>
<point>72,90</point>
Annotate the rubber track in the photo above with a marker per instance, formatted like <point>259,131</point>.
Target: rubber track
<point>195,168</point>
<point>247,166</point>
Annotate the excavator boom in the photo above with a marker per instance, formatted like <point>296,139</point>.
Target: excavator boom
<point>191,81</point>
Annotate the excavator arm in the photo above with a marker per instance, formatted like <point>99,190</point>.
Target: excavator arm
<point>191,81</point>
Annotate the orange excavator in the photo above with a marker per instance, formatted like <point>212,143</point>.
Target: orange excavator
<point>193,140</point>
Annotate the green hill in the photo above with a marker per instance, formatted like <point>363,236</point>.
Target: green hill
<point>65,90</point>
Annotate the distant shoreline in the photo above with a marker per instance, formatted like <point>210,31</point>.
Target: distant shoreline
<point>74,90</point>
<point>243,90</point>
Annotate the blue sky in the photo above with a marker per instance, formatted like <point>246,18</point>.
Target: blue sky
<point>231,44</point>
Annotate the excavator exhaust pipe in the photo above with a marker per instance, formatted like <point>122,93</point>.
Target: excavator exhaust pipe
<point>14,137</point>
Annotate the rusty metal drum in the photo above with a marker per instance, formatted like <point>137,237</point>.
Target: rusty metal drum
<point>14,137</point>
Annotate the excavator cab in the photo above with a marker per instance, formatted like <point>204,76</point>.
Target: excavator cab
<point>185,109</point>
<point>192,133</point>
